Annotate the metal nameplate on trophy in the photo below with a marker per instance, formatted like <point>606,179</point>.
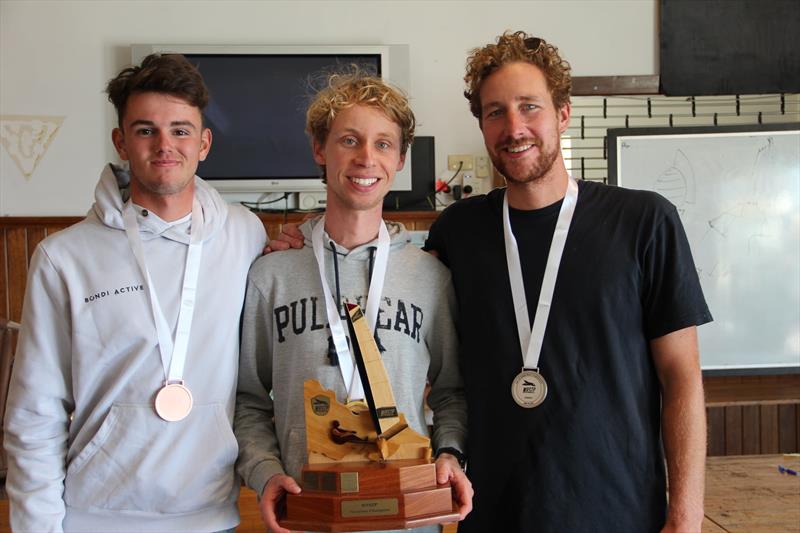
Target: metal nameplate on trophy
<point>367,469</point>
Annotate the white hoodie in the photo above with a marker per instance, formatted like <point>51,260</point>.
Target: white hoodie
<point>86,449</point>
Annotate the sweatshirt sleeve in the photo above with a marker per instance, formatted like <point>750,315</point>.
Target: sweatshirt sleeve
<point>39,403</point>
<point>446,398</point>
<point>259,454</point>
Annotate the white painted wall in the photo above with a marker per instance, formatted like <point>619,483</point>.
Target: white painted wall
<point>56,56</point>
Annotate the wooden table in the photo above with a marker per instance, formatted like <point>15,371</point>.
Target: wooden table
<point>747,493</point>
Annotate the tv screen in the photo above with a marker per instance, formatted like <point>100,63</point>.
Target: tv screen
<point>259,95</point>
<point>257,111</point>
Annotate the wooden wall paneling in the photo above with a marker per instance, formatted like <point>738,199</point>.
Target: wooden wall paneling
<point>54,228</point>
<point>751,388</point>
<point>273,222</point>
<point>751,434</point>
<point>3,276</point>
<point>17,251</point>
<point>769,428</point>
<point>412,220</point>
<point>787,427</point>
<point>733,430</point>
<point>273,229</point>
<point>423,225</point>
<point>753,428</point>
<point>715,415</point>
<point>34,235</point>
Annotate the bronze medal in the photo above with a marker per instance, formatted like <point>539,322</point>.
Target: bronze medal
<point>174,402</point>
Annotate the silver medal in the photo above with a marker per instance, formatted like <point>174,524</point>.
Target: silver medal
<point>529,389</point>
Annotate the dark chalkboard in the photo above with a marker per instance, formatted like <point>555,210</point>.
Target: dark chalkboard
<point>729,47</point>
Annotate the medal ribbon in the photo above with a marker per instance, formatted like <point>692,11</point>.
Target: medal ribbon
<point>173,355</point>
<point>352,381</point>
<point>531,338</point>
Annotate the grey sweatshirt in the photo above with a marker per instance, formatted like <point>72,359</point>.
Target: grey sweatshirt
<point>285,341</point>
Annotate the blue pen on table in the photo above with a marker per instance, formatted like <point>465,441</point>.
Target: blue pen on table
<point>783,470</point>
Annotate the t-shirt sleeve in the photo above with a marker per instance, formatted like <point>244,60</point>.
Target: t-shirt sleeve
<point>673,298</point>
<point>436,241</point>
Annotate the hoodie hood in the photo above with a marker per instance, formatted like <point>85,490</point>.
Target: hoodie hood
<point>112,192</point>
<point>397,233</point>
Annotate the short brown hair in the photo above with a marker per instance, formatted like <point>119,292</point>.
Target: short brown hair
<point>511,48</point>
<point>170,74</point>
<point>345,90</point>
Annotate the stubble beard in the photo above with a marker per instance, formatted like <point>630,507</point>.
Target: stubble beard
<point>534,171</point>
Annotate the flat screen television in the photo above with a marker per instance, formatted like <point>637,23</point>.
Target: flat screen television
<point>259,95</point>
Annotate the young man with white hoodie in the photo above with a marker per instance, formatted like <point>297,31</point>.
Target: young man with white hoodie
<point>122,397</point>
<point>360,130</point>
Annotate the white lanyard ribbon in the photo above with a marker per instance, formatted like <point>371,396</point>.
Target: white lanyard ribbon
<point>352,381</point>
<point>173,356</point>
<point>530,339</point>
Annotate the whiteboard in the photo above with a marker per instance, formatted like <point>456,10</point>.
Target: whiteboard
<point>737,190</point>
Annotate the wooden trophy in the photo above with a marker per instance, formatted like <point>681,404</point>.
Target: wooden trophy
<point>367,470</point>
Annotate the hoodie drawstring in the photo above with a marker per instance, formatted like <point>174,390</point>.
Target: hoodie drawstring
<point>371,261</point>
<point>336,275</point>
<point>336,272</point>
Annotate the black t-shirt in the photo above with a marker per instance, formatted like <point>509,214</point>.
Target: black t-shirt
<point>590,457</point>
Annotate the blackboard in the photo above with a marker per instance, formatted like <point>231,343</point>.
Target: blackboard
<point>729,47</point>
<point>737,190</point>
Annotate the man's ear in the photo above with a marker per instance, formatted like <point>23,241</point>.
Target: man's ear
<point>563,117</point>
<point>318,151</point>
<point>205,143</point>
<point>402,161</point>
<point>118,138</point>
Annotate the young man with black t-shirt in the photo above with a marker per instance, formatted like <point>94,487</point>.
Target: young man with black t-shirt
<point>566,430</point>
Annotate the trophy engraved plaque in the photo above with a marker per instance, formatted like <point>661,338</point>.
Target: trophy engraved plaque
<point>367,469</point>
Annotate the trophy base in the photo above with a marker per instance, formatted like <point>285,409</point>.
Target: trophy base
<point>369,496</point>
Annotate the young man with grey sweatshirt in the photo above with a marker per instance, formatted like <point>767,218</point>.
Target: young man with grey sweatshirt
<point>360,130</point>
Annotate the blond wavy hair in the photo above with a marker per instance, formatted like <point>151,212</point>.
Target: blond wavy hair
<point>517,47</point>
<point>345,90</point>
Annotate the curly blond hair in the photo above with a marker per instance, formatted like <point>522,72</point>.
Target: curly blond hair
<point>514,47</point>
<point>345,90</point>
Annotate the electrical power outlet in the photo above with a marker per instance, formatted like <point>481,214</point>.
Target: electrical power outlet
<point>473,185</point>
<point>453,162</point>
<point>482,166</point>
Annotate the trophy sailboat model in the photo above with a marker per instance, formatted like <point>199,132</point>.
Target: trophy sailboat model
<point>367,469</point>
